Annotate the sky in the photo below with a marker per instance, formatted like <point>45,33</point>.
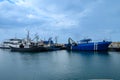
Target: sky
<point>78,19</point>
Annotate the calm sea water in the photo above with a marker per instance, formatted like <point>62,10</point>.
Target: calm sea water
<point>59,65</point>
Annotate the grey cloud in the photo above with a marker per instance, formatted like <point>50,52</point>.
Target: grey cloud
<point>74,17</point>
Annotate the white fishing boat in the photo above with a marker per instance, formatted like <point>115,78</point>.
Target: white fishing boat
<point>10,42</point>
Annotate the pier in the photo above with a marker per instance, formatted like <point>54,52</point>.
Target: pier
<point>114,46</point>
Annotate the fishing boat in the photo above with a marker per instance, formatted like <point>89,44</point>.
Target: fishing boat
<point>10,42</point>
<point>30,49</point>
<point>28,45</point>
<point>87,45</point>
<point>49,45</point>
<point>35,47</point>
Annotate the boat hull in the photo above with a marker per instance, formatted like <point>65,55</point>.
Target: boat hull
<point>99,46</point>
<point>4,47</point>
<point>32,49</point>
<point>114,49</point>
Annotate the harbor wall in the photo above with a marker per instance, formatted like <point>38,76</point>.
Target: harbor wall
<point>114,45</point>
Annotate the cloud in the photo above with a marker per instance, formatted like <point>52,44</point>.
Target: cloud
<point>61,17</point>
<point>48,12</point>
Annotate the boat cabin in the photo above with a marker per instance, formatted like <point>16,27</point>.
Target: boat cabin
<point>85,40</point>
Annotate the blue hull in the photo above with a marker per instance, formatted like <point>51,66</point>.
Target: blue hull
<point>99,46</point>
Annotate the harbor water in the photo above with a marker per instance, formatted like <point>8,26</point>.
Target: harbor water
<point>59,65</point>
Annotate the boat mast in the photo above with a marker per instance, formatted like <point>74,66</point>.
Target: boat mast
<point>28,36</point>
<point>56,40</point>
<point>37,37</point>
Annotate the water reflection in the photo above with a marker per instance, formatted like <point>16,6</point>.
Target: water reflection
<point>89,52</point>
<point>59,65</point>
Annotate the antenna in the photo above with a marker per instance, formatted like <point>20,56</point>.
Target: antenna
<point>56,39</point>
<point>28,36</point>
<point>37,37</point>
<point>15,35</point>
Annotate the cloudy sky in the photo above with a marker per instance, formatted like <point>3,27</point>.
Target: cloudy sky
<point>96,19</point>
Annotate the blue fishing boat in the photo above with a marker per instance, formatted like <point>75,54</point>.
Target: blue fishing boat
<point>88,45</point>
